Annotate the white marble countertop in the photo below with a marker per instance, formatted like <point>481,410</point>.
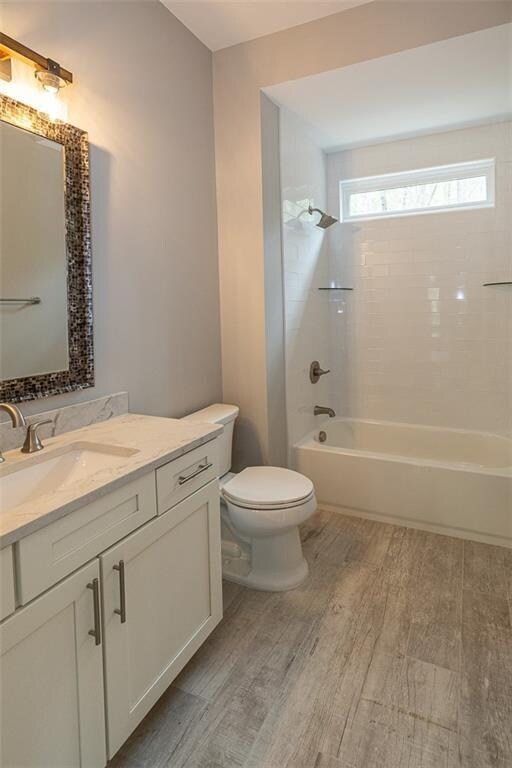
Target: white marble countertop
<point>156,441</point>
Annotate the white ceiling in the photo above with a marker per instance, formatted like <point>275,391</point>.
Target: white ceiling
<point>464,80</point>
<point>219,24</point>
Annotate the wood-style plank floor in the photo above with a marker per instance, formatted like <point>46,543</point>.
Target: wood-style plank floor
<point>396,653</point>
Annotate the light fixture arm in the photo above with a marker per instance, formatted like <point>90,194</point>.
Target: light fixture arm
<point>14,48</point>
<point>54,68</point>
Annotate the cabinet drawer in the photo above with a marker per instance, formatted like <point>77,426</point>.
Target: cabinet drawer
<point>181,477</point>
<point>7,604</point>
<point>48,555</point>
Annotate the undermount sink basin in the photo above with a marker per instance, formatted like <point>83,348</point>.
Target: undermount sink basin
<point>55,470</point>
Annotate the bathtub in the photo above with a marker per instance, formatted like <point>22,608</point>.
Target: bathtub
<point>450,481</point>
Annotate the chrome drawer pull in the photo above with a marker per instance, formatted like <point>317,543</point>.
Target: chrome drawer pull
<point>201,468</point>
<point>96,632</point>
<point>121,611</point>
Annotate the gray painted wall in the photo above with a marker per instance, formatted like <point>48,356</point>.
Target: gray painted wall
<point>143,90</point>
<point>274,292</point>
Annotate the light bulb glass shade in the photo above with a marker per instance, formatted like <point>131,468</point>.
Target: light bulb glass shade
<point>50,82</point>
<point>24,87</point>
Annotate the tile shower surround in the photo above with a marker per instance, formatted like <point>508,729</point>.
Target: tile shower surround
<point>420,340</point>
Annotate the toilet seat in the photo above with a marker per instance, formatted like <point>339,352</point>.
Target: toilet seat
<point>268,507</point>
<point>268,488</point>
<point>261,510</point>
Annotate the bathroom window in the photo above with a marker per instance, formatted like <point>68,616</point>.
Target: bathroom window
<point>428,190</point>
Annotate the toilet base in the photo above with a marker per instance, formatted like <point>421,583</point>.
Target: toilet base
<point>229,572</point>
<point>272,564</point>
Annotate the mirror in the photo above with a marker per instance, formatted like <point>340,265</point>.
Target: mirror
<point>45,259</point>
<point>33,290</point>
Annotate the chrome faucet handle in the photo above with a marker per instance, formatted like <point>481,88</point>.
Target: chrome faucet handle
<point>315,371</point>
<point>32,441</point>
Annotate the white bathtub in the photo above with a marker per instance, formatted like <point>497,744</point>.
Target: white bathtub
<point>447,480</point>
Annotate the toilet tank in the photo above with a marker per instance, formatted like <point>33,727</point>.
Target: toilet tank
<point>219,414</point>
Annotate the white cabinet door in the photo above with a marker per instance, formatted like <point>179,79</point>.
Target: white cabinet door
<point>52,705</point>
<point>171,573</point>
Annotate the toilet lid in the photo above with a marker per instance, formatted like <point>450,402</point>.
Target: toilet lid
<point>268,487</point>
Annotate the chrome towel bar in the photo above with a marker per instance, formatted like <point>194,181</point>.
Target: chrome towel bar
<point>31,300</point>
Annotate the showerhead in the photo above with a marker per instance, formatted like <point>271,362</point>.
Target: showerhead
<point>325,220</point>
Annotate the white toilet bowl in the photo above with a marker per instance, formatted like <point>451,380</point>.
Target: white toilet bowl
<point>262,508</point>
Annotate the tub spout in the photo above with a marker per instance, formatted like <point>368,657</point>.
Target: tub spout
<point>320,409</point>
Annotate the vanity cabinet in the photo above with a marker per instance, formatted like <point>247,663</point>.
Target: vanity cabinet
<point>52,679</point>
<point>161,599</point>
<point>116,598</point>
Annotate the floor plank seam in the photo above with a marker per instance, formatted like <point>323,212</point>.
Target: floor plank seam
<point>410,713</point>
<point>461,650</point>
<point>423,661</point>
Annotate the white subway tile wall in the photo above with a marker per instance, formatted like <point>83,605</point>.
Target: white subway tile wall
<point>419,339</point>
<point>306,268</point>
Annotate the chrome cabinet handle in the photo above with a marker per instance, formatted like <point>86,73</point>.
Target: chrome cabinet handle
<point>121,611</point>
<point>201,468</point>
<point>96,632</point>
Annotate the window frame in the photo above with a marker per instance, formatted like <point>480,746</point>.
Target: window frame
<point>451,172</point>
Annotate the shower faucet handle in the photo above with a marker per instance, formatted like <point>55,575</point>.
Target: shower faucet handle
<point>315,371</point>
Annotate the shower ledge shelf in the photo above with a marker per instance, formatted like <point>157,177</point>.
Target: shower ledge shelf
<point>335,288</point>
<point>500,282</point>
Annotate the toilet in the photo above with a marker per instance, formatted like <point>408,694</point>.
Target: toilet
<point>261,510</point>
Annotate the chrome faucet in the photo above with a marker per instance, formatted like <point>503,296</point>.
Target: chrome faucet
<point>17,418</point>
<point>320,409</point>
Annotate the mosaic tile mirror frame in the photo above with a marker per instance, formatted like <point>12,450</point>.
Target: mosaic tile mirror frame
<point>80,371</point>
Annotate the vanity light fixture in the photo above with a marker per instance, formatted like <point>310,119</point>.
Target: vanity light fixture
<point>48,72</point>
<point>50,78</point>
